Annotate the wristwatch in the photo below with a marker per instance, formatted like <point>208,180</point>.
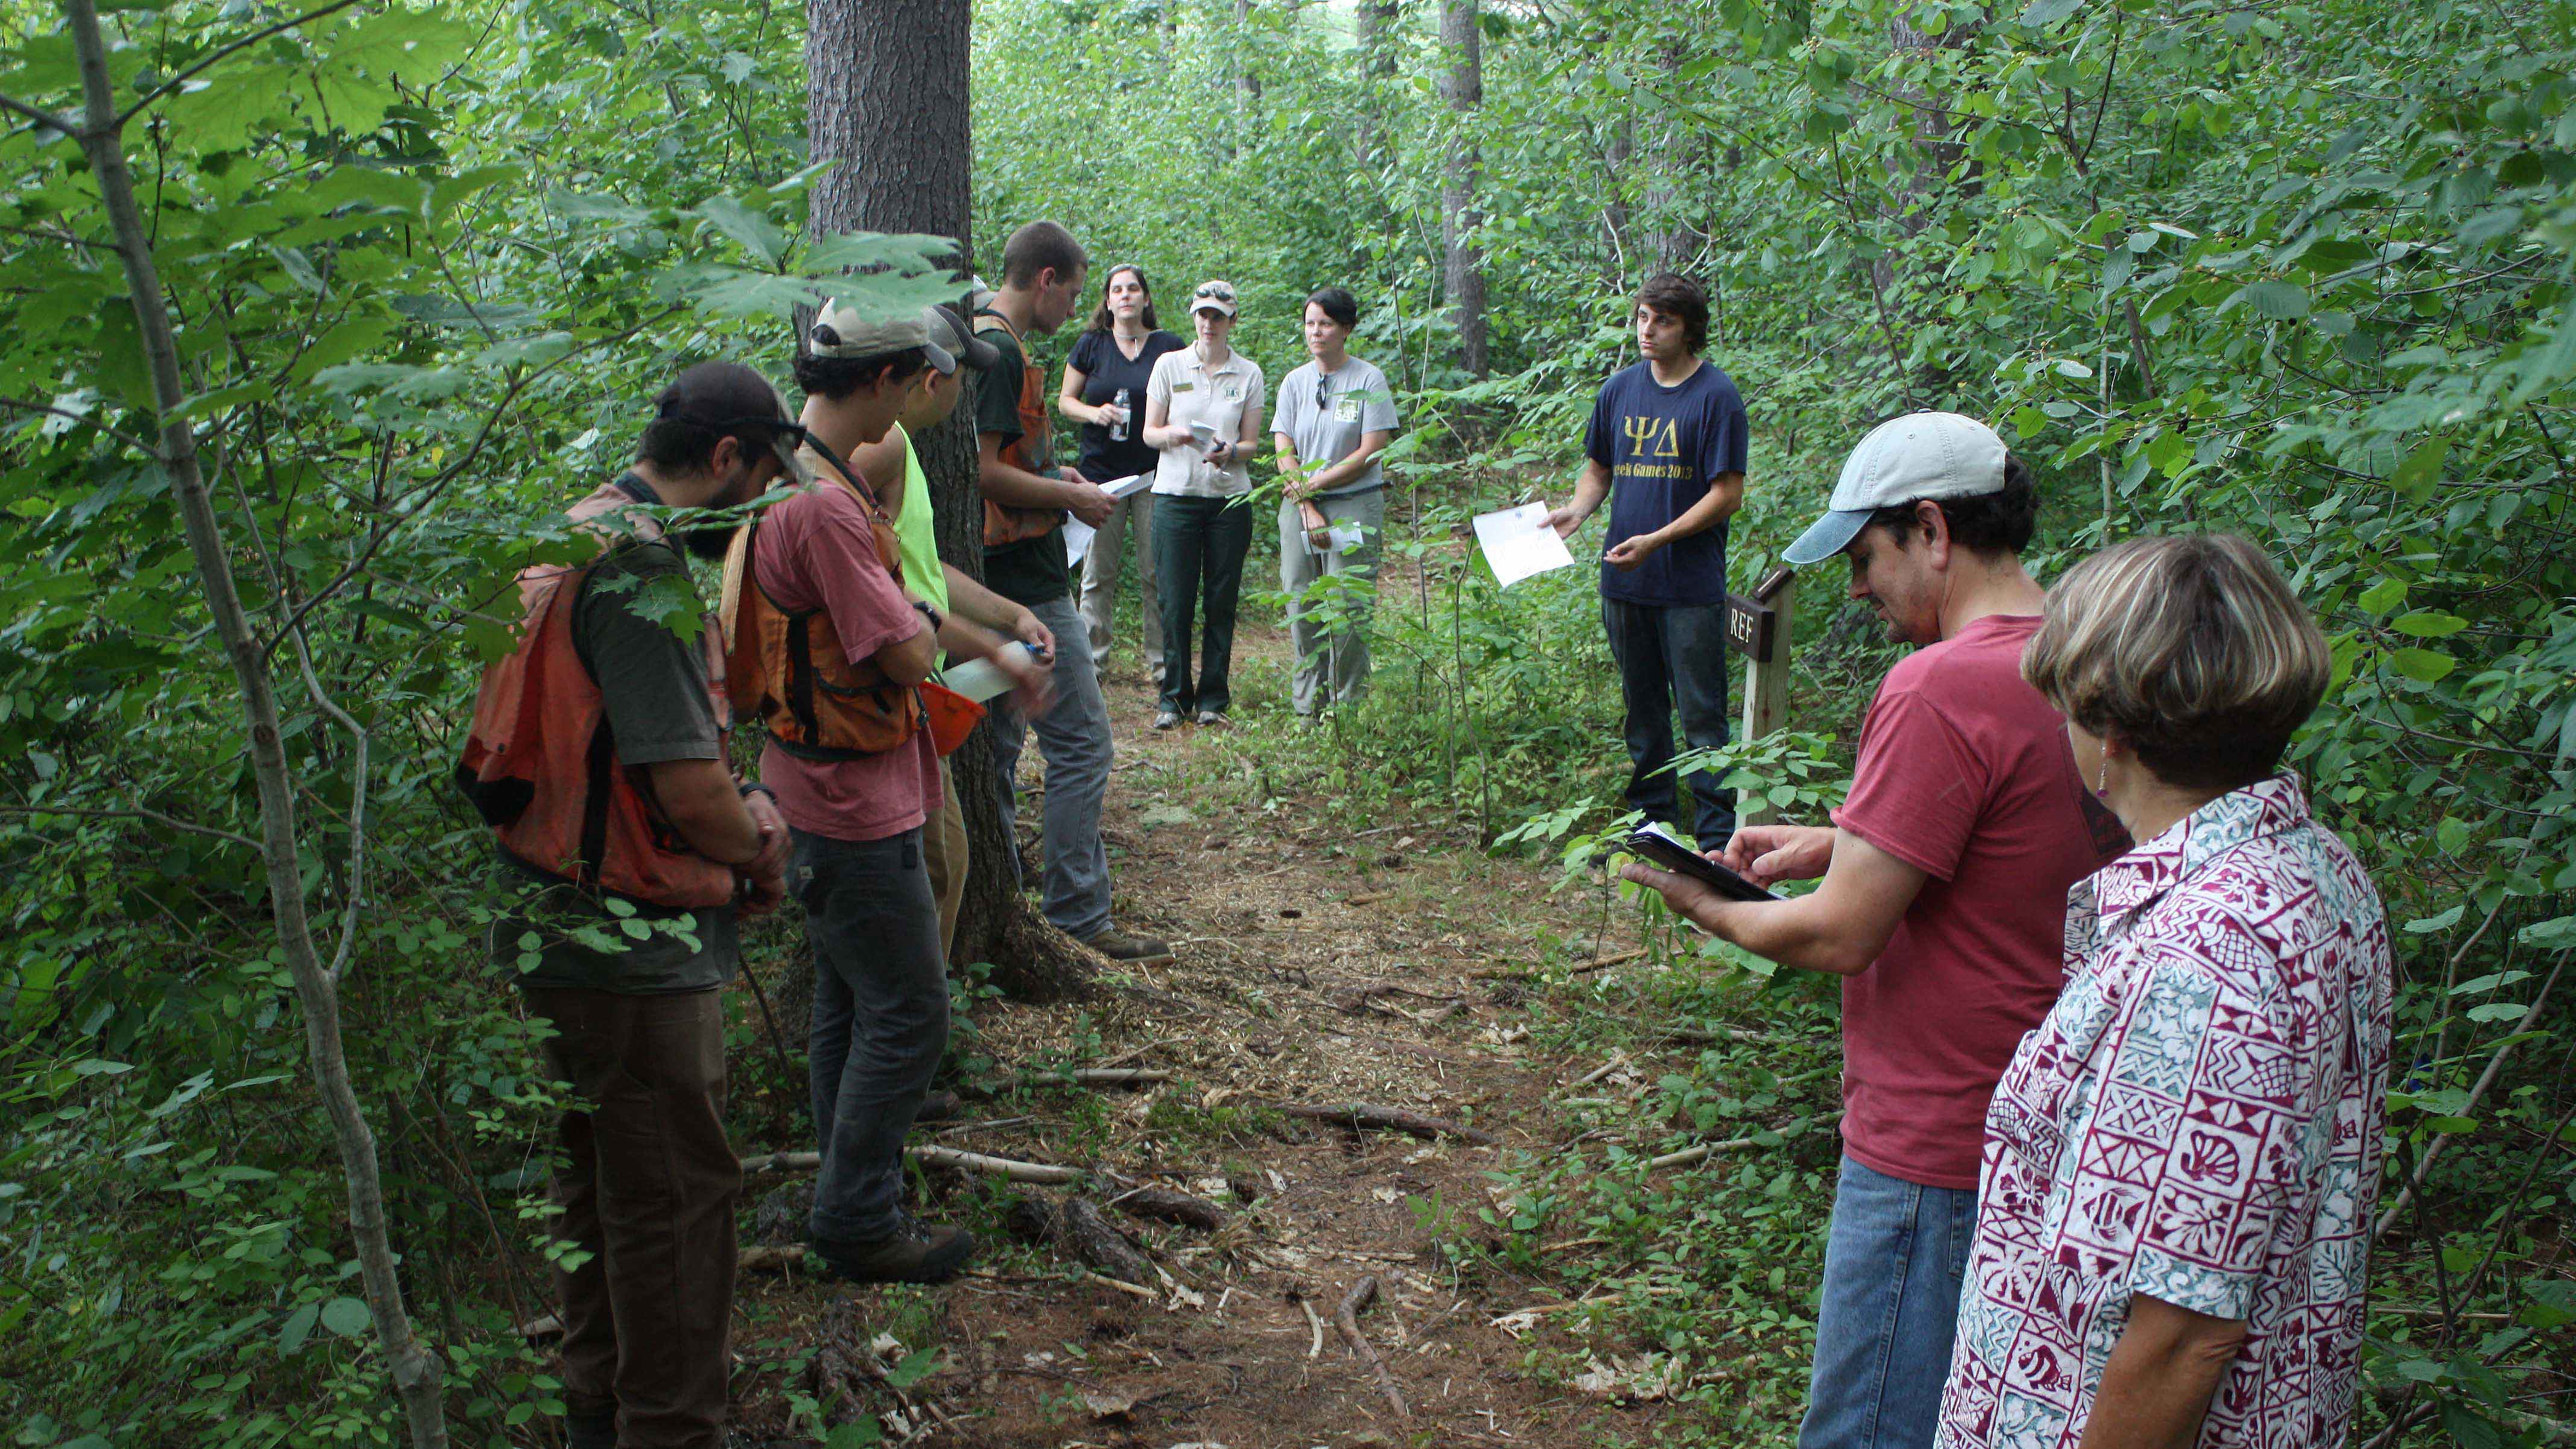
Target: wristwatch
<point>929,613</point>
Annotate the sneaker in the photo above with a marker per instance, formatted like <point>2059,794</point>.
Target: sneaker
<point>938,1106</point>
<point>1211,717</point>
<point>915,1252</point>
<point>1167,720</point>
<point>1117,945</point>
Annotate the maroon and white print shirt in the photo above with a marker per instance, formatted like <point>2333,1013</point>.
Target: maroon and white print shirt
<point>2197,1120</point>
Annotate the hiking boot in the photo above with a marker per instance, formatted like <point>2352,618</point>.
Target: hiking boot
<point>915,1252</point>
<point>938,1106</point>
<point>1117,945</point>
<point>1211,717</point>
<point>1167,720</point>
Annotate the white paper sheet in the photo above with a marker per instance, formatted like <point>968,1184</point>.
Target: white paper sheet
<point>1518,543</point>
<point>1132,483</point>
<point>1077,540</point>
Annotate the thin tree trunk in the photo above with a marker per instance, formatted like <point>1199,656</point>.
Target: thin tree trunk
<point>1462,88</point>
<point>1376,35</point>
<point>886,98</point>
<point>416,1371</point>
<point>1680,153</point>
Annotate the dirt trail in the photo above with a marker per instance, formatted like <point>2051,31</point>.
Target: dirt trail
<point>1313,965</point>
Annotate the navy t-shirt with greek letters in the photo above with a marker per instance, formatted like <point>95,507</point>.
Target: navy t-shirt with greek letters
<point>1662,445</point>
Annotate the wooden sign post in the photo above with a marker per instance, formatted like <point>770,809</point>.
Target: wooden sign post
<point>1758,628</point>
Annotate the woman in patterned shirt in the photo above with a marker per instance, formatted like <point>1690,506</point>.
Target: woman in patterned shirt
<point>2173,1218</point>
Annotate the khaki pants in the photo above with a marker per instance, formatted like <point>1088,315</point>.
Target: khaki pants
<point>647,1190</point>
<point>943,850</point>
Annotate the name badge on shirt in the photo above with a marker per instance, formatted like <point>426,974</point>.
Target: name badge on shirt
<point>1183,386</point>
<point>1346,410</point>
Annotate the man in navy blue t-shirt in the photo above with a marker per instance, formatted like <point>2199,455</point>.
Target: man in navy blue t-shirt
<point>1666,447</point>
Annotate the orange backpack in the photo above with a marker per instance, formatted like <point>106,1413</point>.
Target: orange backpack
<point>787,669</point>
<point>541,766</point>
<point>1004,524</point>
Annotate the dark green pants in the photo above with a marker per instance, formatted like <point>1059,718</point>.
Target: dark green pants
<point>1199,544</point>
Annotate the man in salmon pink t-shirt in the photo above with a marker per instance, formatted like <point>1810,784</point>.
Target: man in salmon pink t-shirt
<point>1943,903</point>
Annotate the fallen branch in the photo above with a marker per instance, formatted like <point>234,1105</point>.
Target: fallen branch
<point>1357,1115</point>
<point>1314,1346</point>
<point>1710,1149</point>
<point>1079,1227</point>
<point>771,1258</point>
<point>1094,1077</point>
<point>1617,1060</point>
<point>1347,1319</point>
<point>1043,1173</point>
<point>1164,1204</point>
<point>1580,968</point>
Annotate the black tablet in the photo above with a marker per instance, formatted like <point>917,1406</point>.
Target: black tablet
<point>1653,843</point>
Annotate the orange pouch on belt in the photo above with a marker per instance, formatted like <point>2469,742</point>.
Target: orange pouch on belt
<point>950,715</point>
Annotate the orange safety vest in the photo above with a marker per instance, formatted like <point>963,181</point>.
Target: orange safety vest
<point>1003,523</point>
<point>541,765</point>
<point>787,668</point>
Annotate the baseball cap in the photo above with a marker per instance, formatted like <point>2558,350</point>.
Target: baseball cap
<point>951,338</point>
<point>840,331</point>
<point>728,398</point>
<point>1213,297</point>
<point>1920,455</point>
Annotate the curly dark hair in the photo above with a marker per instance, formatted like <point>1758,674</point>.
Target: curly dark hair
<point>1674,295</point>
<point>1987,524</point>
<point>834,378</point>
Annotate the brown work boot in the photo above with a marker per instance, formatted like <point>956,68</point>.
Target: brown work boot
<point>938,1106</point>
<point>1117,945</point>
<point>915,1252</point>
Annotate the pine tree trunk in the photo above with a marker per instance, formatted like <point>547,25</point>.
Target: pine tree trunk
<point>886,98</point>
<point>1462,87</point>
<point>416,1371</point>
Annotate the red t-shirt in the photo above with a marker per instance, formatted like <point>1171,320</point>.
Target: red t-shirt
<point>1964,773</point>
<point>817,552</point>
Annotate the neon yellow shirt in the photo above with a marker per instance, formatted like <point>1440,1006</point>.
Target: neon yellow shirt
<point>913,532</point>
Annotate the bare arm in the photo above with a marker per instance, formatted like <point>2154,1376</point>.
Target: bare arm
<point>910,659</point>
<point>1725,495</point>
<point>2156,1387</point>
<point>1068,399</point>
<point>1588,493</point>
<point>1326,479</point>
<point>702,802</point>
<point>1839,928</point>
<point>1159,434</point>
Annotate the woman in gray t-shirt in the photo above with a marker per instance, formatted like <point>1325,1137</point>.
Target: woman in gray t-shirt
<point>1336,414</point>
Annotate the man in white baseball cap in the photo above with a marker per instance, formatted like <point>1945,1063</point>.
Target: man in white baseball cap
<point>1943,904</point>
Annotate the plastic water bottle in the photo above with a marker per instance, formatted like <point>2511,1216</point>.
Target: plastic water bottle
<point>1118,429</point>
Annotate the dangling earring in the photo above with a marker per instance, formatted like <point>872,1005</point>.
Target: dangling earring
<point>2102,778</point>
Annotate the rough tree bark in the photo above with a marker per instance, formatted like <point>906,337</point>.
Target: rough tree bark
<point>1679,155</point>
<point>1462,88</point>
<point>1376,36</point>
<point>416,1371</point>
<point>886,99</point>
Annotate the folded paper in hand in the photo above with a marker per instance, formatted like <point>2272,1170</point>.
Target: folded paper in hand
<point>1077,534</point>
<point>1518,543</point>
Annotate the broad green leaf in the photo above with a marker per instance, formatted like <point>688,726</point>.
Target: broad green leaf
<point>754,231</point>
<point>346,1317</point>
<point>2280,301</point>
<point>2423,665</point>
<point>2426,624</point>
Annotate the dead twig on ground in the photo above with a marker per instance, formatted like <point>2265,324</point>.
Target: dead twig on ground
<point>1707,1150</point>
<point>1315,1346</point>
<point>1043,1173</point>
<point>1357,1115</point>
<point>1347,1319</point>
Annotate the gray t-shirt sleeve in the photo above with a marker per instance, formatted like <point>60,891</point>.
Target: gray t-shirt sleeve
<point>1288,411</point>
<point>1377,410</point>
<point>652,682</point>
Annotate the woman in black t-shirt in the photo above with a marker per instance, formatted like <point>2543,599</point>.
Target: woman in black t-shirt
<point>1104,391</point>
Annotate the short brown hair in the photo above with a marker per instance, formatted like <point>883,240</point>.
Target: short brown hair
<point>1038,246</point>
<point>1990,525</point>
<point>1675,295</point>
<point>2190,649</point>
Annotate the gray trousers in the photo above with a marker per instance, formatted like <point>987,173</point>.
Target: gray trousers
<point>1100,577</point>
<point>1331,634</point>
<point>880,1019</point>
<point>1073,735</point>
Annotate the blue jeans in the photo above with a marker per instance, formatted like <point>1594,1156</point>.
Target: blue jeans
<point>1073,735</point>
<point>880,1019</point>
<point>1199,546</point>
<point>1893,1260</point>
<point>1672,657</point>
